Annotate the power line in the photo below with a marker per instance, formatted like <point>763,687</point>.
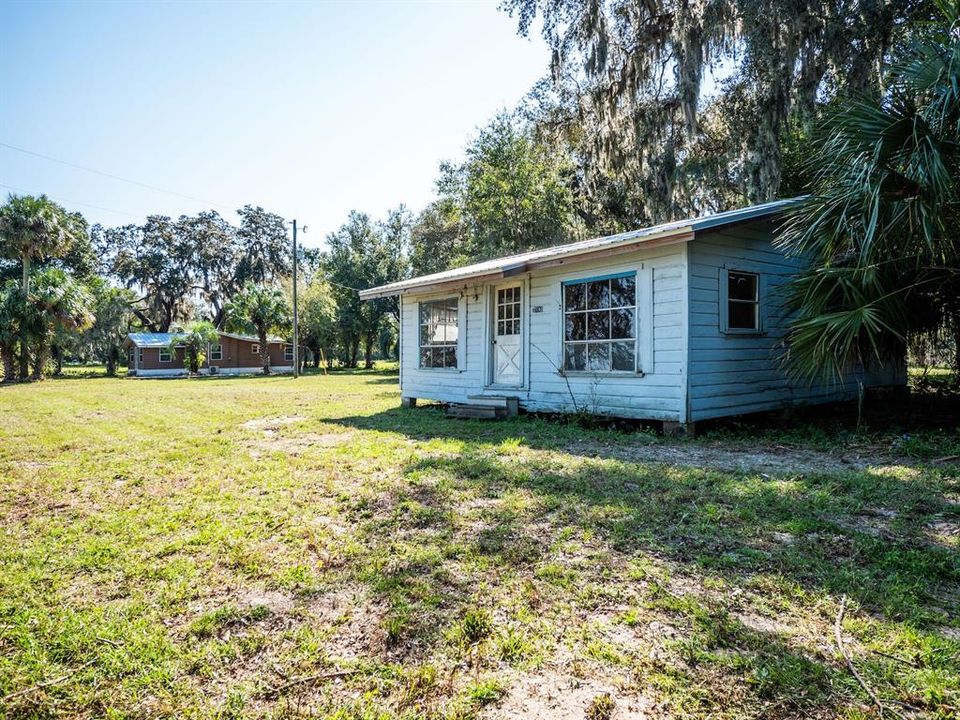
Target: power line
<point>155,188</point>
<point>71,202</point>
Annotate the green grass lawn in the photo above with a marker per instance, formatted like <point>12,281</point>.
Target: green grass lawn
<point>265,547</point>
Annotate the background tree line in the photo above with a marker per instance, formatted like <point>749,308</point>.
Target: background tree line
<point>68,291</point>
<point>650,112</point>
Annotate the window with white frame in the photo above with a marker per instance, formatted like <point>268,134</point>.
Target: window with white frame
<point>288,353</point>
<point>255,348</point>
<point>216,352</point>
<point>140,356</point>
<point>439,333</point>
<point>508,311</point>
<point>740,301</point>
<point>130,357</point>
<point>600,324</point>
<point>165,355</point>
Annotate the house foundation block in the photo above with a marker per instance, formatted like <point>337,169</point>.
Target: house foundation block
<point>679,429</point>
<point>408,402</point>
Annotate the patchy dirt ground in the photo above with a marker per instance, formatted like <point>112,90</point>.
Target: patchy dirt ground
<point>773,459</point>
<point>290,550</point>
<point>554,693</point>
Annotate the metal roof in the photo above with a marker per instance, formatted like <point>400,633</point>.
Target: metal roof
<point>677,231</point>
<point>147,339</point>
<point>153,339</point>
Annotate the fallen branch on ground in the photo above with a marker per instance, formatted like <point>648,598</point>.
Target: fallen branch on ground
<point>33,688</point>
<point>838,634</point>
<point>909,663</point>
<point>273,692</point>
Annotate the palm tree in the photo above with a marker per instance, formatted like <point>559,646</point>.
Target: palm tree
<point>882,222</point>
<point>11,314</point>
<point>36,228</point>
<point>259,309</point>
<point>55,302</point>
<point>195,340</point>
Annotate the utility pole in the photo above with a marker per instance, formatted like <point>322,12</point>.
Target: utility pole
<point>296,338</point>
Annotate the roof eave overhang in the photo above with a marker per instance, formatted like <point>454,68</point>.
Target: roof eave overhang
<point>671,237</point>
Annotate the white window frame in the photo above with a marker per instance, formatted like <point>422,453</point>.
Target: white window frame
<point>218,353</point>
<point>169,354</point>
<point>636,307</point>
<point>288,353</point>
<point>254,348</point>
<point>457,345</point>
<point>139,356</point>
<point>724,302</point>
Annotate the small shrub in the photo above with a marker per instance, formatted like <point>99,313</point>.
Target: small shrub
<point>514,646</point>
<point>475,626</point>
<point>395,625</point>
<point>485,692</point>
<point>600,708</point>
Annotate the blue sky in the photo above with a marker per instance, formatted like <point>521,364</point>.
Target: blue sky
<point>308,109</point>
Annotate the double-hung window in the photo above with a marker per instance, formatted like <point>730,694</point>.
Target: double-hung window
<point>439,333</point>
<point>255,348</point>
<point>165,355</point>
<point>216,352</point>
<point>288,353</point>
<point>600,324</point>
<point>740,302</point>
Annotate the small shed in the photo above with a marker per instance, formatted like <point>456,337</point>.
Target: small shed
<point>680,322</point>
<point>157,355</point>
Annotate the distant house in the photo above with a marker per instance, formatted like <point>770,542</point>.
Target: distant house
<point>680,322</point>
<point>150,355</point>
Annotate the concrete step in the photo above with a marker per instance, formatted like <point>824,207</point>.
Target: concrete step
<point>490,400</point>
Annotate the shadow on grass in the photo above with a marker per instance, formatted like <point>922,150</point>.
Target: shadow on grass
<point>862,534</point>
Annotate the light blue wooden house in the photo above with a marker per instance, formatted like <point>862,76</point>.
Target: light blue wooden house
<point>680,322</point>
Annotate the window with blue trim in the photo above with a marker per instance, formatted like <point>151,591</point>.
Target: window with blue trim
<point>600,324</point>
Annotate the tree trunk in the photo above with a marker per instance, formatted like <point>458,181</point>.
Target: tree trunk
<point>111,364</point>
<point>6,352</point>
<point>58,360</point>
<point>368,341</point>
<point>264,353</point>
<point>40,356</point>
<point>26,275</point>
<point>24,372</point>
<point>956,349</point>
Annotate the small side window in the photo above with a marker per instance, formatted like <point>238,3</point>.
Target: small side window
<point>740,310</point>
<point>255,349</point>
<point>216,352</point>
<point>165,355</point>
<point>288,353</point>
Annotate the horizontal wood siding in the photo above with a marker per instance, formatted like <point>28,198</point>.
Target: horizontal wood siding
<point>656,394</point>
<point>735,374</point>
<point>443,384</point>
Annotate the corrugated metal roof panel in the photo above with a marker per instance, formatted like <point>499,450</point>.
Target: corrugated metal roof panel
<point>146,339</point>
<point>152,339</point>
<point>512,264</point>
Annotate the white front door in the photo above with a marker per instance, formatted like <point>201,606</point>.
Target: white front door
<point>507,348</point>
